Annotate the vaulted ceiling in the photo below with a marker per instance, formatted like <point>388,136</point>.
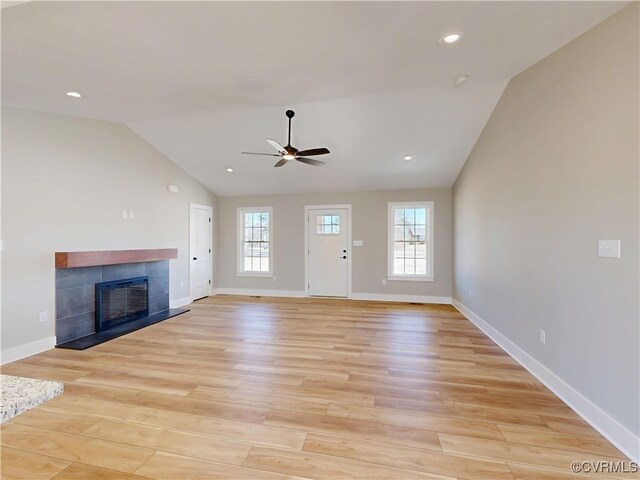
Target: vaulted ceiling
<point>203,81</point>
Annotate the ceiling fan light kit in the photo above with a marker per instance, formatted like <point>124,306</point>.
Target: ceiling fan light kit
<point>291,153</point>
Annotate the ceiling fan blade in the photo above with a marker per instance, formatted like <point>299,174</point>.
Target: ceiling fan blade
<point>310,161</point>
<point>313,151</point>
<point>268,154</point>
<point>281,162</point>
<point>276,145</point>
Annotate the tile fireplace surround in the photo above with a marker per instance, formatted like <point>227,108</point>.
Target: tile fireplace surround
<point>75,286</point>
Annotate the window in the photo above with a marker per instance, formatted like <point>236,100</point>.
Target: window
<point>328,224</point>
<point>255,256</point>
<point>411,241</point>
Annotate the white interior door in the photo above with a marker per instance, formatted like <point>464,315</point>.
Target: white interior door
<point>328,252</point>
<point>200,251</point>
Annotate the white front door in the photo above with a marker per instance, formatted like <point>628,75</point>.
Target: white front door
<point>328,252</point>
<point>200,251</point>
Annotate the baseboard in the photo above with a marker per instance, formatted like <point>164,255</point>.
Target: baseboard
<point>26,350</point>
<point>376,297</point>
<point>385,297</point>
<point>625,440</point>
<point>257,292</point>
<point>180,302</point>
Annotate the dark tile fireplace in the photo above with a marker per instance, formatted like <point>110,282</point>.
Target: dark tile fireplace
<point>97,302</point>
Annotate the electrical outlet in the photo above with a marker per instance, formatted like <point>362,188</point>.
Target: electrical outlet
<point>384,281</point>
<point>470,293</point>
<point>543,337</point>
<point>274,278</point>
<point>42,317</point>
<point>181,284</point>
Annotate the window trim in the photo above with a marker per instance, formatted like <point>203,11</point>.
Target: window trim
<point>241,272</point>
<point>429,276</point>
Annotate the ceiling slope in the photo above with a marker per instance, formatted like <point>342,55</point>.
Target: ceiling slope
<point>204,80</point>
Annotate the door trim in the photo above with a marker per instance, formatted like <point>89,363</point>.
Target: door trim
<point>209,208</point>
<point>306,243</point>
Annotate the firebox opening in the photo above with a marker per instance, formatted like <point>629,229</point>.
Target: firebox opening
<point>121,301</point>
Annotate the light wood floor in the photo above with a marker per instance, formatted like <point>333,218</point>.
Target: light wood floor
<point>258,388</point>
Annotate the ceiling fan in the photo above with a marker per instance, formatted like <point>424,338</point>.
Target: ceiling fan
<point>291,153</point>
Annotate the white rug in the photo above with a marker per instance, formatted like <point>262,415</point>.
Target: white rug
<point>19,394</point>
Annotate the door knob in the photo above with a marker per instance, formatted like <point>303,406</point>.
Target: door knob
<point>195,258</point>
<point>344,257</point>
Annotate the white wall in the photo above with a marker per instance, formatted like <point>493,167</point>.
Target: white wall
<point>554,171</point>
<point>65,182</point>
<point>369,262</point>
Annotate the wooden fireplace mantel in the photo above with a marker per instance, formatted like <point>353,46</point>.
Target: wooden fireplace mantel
<point>112,257</point>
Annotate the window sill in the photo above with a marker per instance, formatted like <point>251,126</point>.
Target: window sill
<point>410,278</point>
<point>254,274</point>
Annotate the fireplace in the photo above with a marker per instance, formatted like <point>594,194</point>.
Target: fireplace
<point>102,295</point>
<point>121,301</point>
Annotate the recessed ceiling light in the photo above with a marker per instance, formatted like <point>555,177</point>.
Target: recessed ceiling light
<point>230,170</point>
<point>74,94</point>
<point>450,38</point>
<point>408,157</point>
<point>461,79</point>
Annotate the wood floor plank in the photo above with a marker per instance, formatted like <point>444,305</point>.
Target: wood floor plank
<point>527,472</point>
<point>517,453</point>
<point>110,379</point>
<point>92,406</point>
<point>172,441</point>
<point>76,448</point>
<point>408,458</point>
<point>240,431</point>
<point>304,371</point>
<point>322,466</point>
<point>423,421</point>
<point>470,412</point>
<point>576,426</point>
<point>199,406</point>
<point>45,373</point>
<point>354,428</point>
<point>318,407</point>
<point>20,465</point>
<point>545,405</point>
<point>334,393</point>
<point>56,420</point>
<point>80,471</point>
<point>167,466</point>
<point>563,441</point>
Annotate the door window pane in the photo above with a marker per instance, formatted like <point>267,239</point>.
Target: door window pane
<point>328,224</point>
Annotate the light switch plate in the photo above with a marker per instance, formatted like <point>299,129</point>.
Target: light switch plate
<point>609,248</point>
<point>358,243</point>
<point>125,214</point>
<point>131,215</point>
